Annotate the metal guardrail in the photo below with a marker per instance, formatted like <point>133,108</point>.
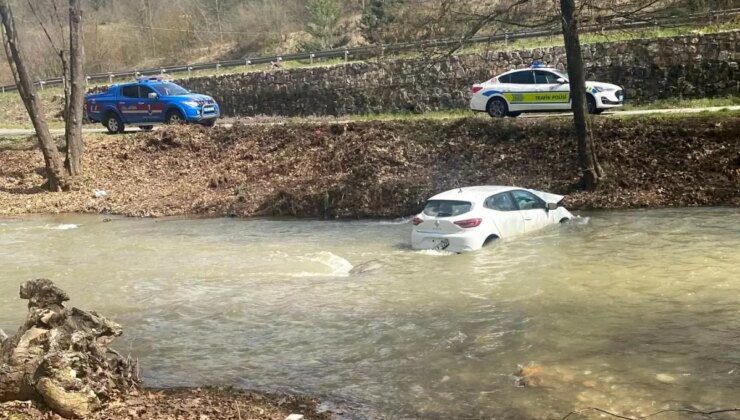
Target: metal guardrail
<point>381,49</point>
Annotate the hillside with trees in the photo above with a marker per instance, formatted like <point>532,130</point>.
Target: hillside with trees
<point>132,34</point>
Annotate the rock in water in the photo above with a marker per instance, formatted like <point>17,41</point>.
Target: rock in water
<point>61,355</point>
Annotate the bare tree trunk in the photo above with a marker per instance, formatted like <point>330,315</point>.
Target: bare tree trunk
<point>590,170</point>
<point>73,132</point>
<point>55,172</point>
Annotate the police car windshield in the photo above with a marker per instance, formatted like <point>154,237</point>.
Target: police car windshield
<point>170,89</point>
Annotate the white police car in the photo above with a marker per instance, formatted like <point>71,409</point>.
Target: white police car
<point>537,89</point>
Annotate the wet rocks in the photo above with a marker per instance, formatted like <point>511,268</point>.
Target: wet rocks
<point>61,355</point>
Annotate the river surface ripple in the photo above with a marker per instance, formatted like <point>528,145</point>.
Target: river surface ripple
<point>630,311</point>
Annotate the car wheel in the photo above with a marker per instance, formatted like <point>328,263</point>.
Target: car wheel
<point>146,127</point>
<point>175,117</point>
<point>209,123</point>
<point>497,108</point>
<point>514,114</point>
<point>490,239</point>
<point>564,220</point>
<point>591,105</point>
<point>114,124</point>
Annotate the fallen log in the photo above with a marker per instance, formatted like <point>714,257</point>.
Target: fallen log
<point>61,356</point>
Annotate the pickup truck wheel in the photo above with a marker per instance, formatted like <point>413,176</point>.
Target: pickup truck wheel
<point>114,124</point>
<point>175,117</point>
<point>146,127</point>
<point>209,123</point>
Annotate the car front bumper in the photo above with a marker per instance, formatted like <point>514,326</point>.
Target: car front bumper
<point>610,99</point>
<point>203,113</point>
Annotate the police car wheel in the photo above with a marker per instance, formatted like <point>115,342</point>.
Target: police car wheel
<point>591,105</point>
<point>514,114</point>
<point>497,108</point>
<point>174,117</point>
<point>146,127</point>
<point>114,124</point>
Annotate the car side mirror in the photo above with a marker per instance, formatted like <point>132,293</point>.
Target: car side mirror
<point>561,81</point>
<point>552,206</point>
<point>152,95</point>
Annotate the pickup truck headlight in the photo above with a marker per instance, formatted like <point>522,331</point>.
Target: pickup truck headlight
<point>191,104</point>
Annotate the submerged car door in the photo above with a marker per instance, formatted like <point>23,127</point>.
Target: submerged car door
<point>550,93</point>
<point>505,215</point>
<point>533,210</point>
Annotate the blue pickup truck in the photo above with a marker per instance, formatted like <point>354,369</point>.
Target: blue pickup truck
<point>149,101</point>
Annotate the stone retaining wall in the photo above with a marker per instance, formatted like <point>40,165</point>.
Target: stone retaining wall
<point>684,66</point>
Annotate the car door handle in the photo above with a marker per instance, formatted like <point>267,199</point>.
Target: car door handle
<point>527,218</point>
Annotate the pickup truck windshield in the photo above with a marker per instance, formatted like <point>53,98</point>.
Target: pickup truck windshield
<point>170,89</point>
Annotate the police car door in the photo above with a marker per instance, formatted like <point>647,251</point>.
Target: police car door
<point>550,93</point>
<point>520,91</point>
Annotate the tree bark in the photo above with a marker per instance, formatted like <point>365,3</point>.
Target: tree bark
<point>587,161</point>
<point>56,175</point>
<point>73,132</point>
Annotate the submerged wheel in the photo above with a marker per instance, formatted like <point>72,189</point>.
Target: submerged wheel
<point>113,123</point>
<point>489,239</point>
<point>564,220</point>
<point>591,105</point>
<point>514,114</point>
<point>497,108</point>
<point>146,127</point>
<point>175,117</point>
<point>209,123</point>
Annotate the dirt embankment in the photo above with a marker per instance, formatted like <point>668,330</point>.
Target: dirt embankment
<point>383,169</point>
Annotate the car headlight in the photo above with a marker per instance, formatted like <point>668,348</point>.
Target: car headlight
<point>191,104</point>
<point>604,89</point>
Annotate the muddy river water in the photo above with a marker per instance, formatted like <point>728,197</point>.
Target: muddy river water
<point>630,311</point>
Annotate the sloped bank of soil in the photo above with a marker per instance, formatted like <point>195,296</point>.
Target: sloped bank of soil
<point>383,169</point>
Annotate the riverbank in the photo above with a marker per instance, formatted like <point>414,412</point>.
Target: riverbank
<point>381,168</point>
<point>183,403</point>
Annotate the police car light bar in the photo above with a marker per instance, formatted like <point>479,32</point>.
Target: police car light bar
<point>537,64</point>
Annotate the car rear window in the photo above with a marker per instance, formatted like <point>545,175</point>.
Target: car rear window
<point>446,208</point>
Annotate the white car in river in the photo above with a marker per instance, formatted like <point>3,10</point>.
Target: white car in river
<point>466,219</point>
<point>538,89</point>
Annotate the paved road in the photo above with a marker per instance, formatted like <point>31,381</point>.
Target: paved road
<point>13,132</point>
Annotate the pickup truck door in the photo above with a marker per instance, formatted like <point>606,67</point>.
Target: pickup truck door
<point>128,104</point>
<point>154,107</point>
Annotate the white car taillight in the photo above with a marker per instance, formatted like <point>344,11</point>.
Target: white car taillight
<point>416,220</point>
<point>469,223</point>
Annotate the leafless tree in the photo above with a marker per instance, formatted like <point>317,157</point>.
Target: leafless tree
<point>59,174</point>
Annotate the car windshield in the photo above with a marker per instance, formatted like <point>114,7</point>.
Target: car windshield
<point>446,208</point>
<point>170,89</point>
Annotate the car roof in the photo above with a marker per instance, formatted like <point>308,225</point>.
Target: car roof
<point>473,194</point>
<point>531,68</point>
